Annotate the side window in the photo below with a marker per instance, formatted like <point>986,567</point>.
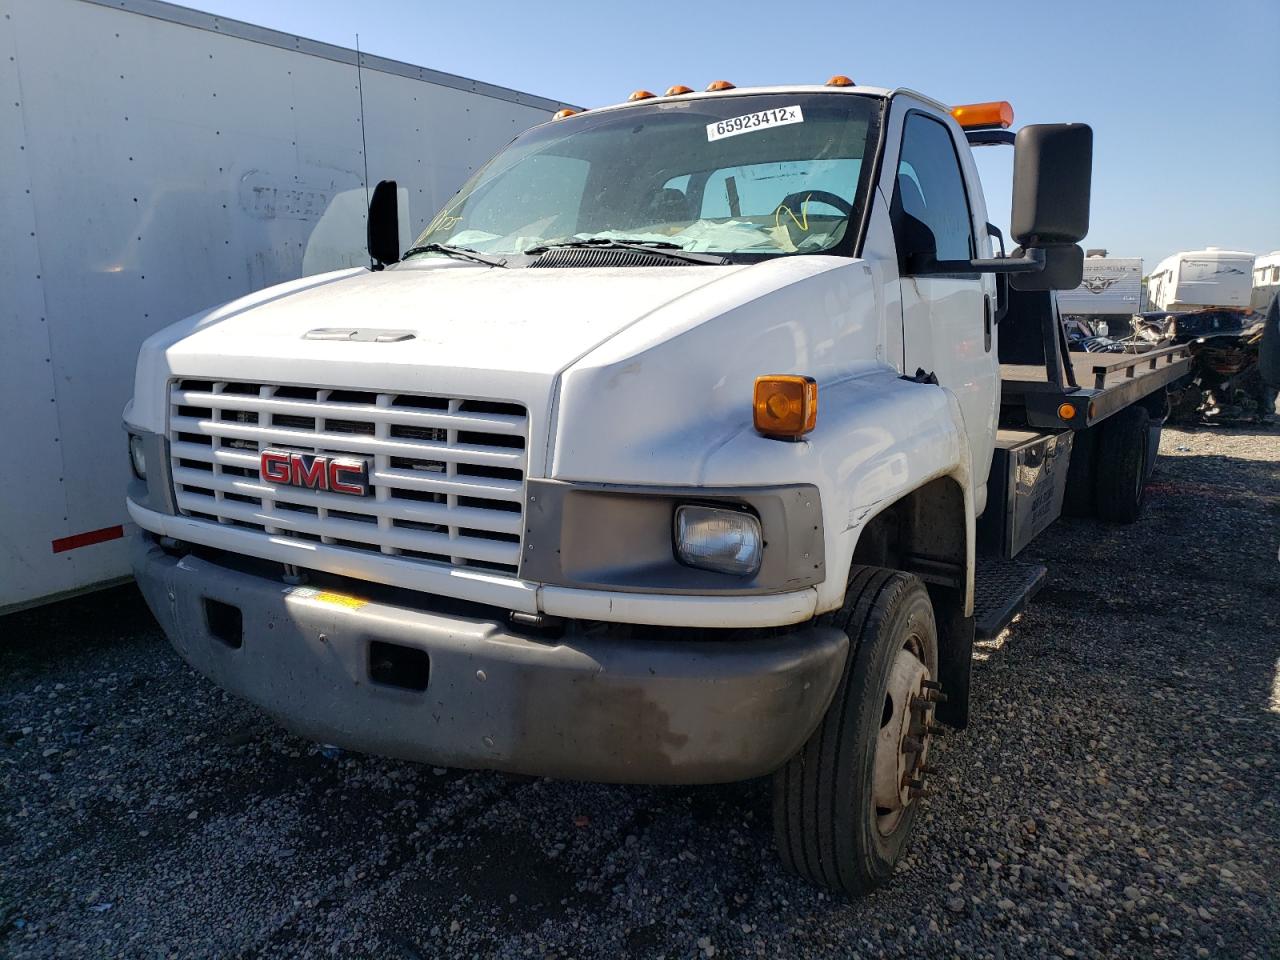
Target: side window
<point>930,207</point>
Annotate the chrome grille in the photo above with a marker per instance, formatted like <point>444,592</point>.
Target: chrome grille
<point>446,476</point>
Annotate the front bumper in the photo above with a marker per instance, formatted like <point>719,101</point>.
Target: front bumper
<point>605,709</point>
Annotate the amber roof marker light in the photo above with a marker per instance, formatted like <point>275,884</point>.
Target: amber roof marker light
<point>840,80</point>
<point>978,116</point>
<point>717,85</point>
<point>785,406</point>
<point>640,95</point>
<point>677,90</point>
<point>566,112</point>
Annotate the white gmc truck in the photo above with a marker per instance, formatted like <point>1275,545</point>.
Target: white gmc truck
<point>691,442</point>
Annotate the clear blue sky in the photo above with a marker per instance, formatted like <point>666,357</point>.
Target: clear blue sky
<point>1183,95</point>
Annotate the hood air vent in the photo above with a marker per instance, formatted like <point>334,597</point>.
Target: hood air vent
<point>590,257</point>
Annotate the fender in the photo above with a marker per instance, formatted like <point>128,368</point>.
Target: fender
<point>878,439</point>
<point>681,378</point>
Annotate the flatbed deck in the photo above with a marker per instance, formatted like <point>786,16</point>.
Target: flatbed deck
<point>1103,384</point>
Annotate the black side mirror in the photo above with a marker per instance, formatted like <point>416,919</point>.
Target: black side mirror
<point>1052,171</point>
<point>1063,269</point>
<point>1053,167</point>
<point>384,225</point>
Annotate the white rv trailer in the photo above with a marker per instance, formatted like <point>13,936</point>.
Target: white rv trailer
<point>1266,280</point>
<point>159,160</point>
<point>1111,287</point>
<point>1201,278</point>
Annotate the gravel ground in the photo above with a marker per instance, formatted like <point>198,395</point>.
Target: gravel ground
<point>1116,794</point>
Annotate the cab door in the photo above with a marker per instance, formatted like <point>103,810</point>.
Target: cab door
<point>947,320</point>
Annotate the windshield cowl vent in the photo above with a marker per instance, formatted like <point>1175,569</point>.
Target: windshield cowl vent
<point>588,257</point>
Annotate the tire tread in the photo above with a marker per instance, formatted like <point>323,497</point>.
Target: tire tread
<point>1122,452</point>
<point>810,792</point>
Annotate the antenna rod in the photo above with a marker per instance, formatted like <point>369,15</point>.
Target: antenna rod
<point>364,144</point>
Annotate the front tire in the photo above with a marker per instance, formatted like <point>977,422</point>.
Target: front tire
<point>844,806</point>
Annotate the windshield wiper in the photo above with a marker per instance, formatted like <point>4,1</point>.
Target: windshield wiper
<point>458,253</point>
<point>661,248</point>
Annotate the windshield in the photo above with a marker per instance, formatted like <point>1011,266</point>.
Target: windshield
<point>740,176</point>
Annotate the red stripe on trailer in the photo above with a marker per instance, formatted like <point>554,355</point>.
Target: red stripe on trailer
<point>86,539</point>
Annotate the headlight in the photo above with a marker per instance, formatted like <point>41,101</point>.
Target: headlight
<point>726,541</point>
<point>137,456</point>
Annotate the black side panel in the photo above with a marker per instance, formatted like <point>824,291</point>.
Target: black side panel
<point>994,522</point>
<point>955,654</point>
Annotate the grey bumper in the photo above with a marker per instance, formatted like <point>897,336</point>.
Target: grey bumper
<point>629,711</point>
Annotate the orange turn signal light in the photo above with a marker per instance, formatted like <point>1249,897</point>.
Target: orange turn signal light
<point>719,85</point>
<point>840,80</point>
<point>640,95</point>
<point>566,112</point>
<point>677,90</point>
<point>973,116</point>
<point>786,407</point>
<point>1066,411</point>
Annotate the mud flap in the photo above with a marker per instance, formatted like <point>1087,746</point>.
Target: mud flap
<point>955,654</point>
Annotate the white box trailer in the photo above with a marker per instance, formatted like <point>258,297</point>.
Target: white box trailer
<point>1197,279</point>
<point>158,160</point>
<point>1111,287</point>
<point>1266,280</point>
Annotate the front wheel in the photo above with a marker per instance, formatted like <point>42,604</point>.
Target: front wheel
<point>844,806</point>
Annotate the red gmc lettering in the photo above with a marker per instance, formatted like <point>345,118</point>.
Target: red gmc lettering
<point>347,475</point>
<point>310,472</point>
<point>275,466</point>
<point>337,484</point>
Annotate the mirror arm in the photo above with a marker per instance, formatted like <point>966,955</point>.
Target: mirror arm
<point>924,264</point>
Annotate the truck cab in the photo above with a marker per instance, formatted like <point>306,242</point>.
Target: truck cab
<point>659,457</point>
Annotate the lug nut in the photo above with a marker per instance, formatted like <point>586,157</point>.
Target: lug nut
<point>922,703</point>
<point>931,684</point>
<point>927,770</point>
<point>915,784</point>
<point>912,745</point>
<point>914,794</point>
<point>937,729</point>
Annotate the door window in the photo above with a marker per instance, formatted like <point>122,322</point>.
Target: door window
<point>930,206</point>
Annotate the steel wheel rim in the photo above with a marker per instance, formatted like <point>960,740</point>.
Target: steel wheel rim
<point>902,742</point>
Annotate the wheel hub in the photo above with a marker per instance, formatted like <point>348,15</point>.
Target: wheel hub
<point>906,730</point>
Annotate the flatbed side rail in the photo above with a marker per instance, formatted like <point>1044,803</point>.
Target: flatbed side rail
<point>1151,360</point>
<point>1115,385</point>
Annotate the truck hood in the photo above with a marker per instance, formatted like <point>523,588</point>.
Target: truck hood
<point>460,316</point>
<point>476,331</point>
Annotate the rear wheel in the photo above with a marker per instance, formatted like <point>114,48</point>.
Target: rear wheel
<point>1122,465</point>
<point>1078,500</point>
<point>844,806</point>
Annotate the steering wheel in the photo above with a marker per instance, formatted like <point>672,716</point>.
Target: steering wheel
<point>795,217</point>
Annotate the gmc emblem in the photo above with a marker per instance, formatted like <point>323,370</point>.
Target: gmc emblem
<point>315,472</point>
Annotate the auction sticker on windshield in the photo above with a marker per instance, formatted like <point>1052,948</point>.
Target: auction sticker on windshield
<point>779,116</point>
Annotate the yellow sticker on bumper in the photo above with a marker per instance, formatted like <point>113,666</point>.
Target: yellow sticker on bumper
<point>328,596</point>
